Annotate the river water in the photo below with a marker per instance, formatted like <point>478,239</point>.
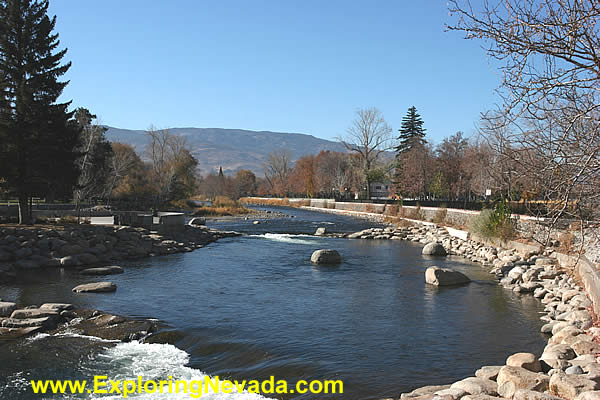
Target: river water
<point>254,306</point>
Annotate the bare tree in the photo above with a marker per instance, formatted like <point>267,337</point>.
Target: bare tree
<point>123,161</point>
<point>171,163</point>
<point>547,130</point>
<point>278,167</point>
<point>368,137</point>
<point>96,153</point>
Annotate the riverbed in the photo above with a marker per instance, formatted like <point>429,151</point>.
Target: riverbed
<point>254,306</point>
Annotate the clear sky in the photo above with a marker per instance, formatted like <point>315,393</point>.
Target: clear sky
<point>283,65</point>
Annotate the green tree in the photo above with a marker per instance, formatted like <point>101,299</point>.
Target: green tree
<point>38,137</point>
<point>411,139</point>
<point>411,132</point>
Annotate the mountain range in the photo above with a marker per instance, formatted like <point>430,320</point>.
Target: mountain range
<point>232,149</point>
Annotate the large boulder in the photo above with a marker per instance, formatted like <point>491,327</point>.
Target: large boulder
<point>49,322</point>
<point>326,256</point>
<point>474,385</point>
<point>488,372</point>
<point>444,277</point>
<point>555,355</point>
<point>522,379</point>
<point>320,231</point>
<point>423,391</point>
<point>591,395</point>
<point>525,360</point>
<point>97,287</point>
<point>434,249</point>
<point>524,394</point>
<point>33,313</point>
<point>196,221</point>
<point>58,307</point>
<point>570,386</point>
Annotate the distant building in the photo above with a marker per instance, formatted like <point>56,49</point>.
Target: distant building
<point>380,190</point>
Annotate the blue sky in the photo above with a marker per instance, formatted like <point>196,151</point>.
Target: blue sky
<point>292,66</point>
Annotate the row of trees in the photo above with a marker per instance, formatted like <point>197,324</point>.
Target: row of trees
<point>458,168</point>
<point>547,130</point>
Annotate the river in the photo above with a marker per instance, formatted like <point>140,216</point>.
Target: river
<point>254,306</point>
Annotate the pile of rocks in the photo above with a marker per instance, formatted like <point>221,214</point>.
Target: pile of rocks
<point>88,245</point>
<point>59,317</point>
<point>569,366</point>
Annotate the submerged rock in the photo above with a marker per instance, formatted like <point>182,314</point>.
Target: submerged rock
<point>112,269</point>
<point>97,287</point>
<point>444,277</point>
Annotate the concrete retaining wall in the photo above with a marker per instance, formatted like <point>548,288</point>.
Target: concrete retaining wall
<point>590,277</point>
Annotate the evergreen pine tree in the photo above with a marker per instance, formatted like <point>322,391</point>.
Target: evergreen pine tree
<point>38,136</point>
<point>412,134</point>
<point>411,131</point>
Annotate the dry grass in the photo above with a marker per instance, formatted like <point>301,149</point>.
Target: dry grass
<point>222,206</point>
<point>402,223</point>
<point>265,202</point>
<point>415,213</point>
<point>391,209</point>
<point>220,211</point>
<point>567,243</point>
<point>440,216</point>
<point>276,202</point>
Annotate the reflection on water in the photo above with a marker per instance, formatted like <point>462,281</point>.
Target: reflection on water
<point>254,306</point>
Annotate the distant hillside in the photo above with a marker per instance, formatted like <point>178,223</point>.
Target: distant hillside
<point>233,149</point>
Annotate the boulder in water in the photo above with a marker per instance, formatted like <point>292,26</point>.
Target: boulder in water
<point>197,221</point>
<point>444,277</point>
<point>326,256</point>
<point>434,249</point>
<point>320,231</point>
<point>97,287</point>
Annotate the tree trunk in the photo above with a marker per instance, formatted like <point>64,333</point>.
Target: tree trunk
<point>24,218</point>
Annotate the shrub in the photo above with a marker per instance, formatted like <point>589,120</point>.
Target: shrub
<point>181,204</point>
<point>224,201</point>
<point>494,223</point>
<point>440,215</point>
<point>222,206</point>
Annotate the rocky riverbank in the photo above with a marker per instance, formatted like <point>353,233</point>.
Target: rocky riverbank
<point>84,246</point>
<point>57,318</point>
<point>569,366</point>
